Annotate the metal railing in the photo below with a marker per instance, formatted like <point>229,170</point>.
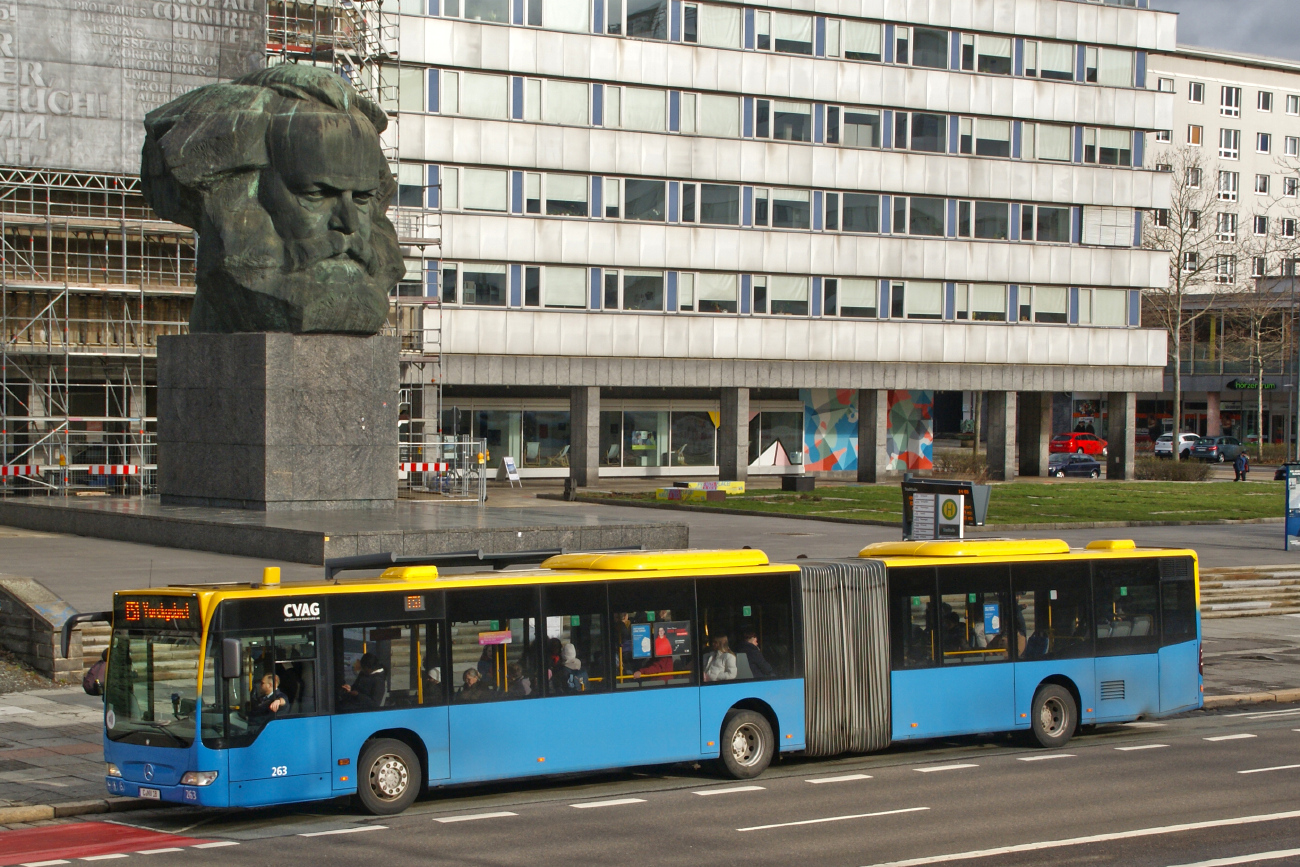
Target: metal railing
<point>454,467</point>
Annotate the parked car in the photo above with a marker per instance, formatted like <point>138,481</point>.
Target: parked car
<point>1218,449</point>
<point>1279,475</point>
<point>1059,465</point>
<point>1164,447</point>
<point>1077,443</point>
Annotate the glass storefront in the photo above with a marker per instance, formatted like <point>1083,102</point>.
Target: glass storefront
<point>773,432</point>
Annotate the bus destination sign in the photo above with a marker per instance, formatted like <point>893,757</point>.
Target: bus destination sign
<point>167,611</point>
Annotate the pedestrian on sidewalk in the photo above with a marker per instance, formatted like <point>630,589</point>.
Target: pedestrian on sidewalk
<point>1239,466</point>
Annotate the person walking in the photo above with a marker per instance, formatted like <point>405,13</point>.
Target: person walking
<point>1239,467</point>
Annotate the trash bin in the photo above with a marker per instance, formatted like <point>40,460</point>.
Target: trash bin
<point>799,483</point>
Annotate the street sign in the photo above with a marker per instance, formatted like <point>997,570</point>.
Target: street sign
<point>1292,507</point>
<point>936,516</point>
<point>974,501</point>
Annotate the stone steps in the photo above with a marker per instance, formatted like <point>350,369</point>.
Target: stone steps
<point>1249,592</point>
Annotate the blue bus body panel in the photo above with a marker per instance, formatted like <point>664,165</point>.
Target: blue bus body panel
<point>574,733</point>
<point>1029,675</point>
<point>289,760</point>
<point>785,697</point>
<point>1180,677</point>
<point>967,699</point>
<point>350,730</point>
<point>1136,678</point>
<point>169,765</point>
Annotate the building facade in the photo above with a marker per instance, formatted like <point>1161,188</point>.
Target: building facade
<point>729,238</point>
<point>1242,115</point>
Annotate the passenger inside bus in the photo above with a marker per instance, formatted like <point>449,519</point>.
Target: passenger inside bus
<point>474,689</point>
<point>368,689</point>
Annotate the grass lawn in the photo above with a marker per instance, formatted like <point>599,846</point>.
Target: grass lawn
<point>1029,503</point>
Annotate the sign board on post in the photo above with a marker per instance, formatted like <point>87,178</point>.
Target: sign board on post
<point>1292,507</point>
<point>512,472</point>
<point>948,519</point>
<point>973,504</point>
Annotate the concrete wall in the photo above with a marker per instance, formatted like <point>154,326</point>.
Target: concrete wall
<point>31,618</point>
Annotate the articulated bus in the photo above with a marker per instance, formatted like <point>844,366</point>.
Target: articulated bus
<point>379,687</point>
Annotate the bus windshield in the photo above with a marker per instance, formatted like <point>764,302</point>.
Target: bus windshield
<point>153,676</point>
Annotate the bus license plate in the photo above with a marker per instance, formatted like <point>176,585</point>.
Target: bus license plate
<point>151,794</point>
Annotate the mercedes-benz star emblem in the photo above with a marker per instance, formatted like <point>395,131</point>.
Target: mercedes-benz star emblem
<point>148,773</point>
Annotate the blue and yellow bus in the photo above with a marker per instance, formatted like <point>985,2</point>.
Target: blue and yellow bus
<point>379,687</point>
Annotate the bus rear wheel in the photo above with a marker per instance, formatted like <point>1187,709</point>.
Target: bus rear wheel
<point>1054,716</point>
<point>747,744</point>
<point>388,777</point>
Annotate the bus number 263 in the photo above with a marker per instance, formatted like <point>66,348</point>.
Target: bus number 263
<point>280,771</point>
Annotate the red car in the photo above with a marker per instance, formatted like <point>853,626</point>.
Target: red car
<point>1078,443</point>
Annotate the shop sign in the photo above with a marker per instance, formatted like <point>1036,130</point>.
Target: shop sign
<point>1243,384</point>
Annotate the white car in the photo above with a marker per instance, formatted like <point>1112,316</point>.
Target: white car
<point>1164,447</point>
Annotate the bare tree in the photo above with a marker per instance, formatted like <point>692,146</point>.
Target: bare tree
<point>1187,232</point>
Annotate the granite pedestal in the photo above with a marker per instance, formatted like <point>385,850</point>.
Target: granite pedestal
<point>277,422</point>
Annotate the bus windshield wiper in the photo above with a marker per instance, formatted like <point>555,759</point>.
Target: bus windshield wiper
<point>162,727</point>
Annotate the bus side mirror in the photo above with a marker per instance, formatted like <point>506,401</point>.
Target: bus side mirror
<point>232,659</point>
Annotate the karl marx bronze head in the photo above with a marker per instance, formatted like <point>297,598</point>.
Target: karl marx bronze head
<point>281,174</point>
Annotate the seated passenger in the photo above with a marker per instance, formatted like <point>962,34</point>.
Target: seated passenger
<point>267,702</point>
<point>517,685</point>
<point>659,666</point>
<point>757,663</point>
<point>474,689</point>
<point>569,676</point>
<point>368,688</point>
<point>720,664</point>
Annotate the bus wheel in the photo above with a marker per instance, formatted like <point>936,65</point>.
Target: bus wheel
<point>747,744</point>
<point>388,777</point>
<point>1054,716</point>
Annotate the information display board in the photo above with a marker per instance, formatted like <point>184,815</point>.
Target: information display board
<point>974,505</point>
<point>1292,507</point>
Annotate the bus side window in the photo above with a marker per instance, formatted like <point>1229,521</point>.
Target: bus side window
<point>574,654</point>
<point>1053,602</point>
<point>1178,610</point>
<point>975,625</point>
<point>912,613</point>
<point>1127,598</point>
<point>653,633</point>
<point>752,615</point>
<point>495,653</point>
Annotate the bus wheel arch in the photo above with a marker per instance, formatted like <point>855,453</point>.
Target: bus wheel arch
<point>401,760</point>
<point>1054,713</point>
<point>747,741</point>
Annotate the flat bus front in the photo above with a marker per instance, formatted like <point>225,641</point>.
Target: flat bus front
<point>153,742</point>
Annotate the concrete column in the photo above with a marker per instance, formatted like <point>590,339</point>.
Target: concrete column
<point>733,435</point>
<point>1122,430</point>
<point>584,435</point>
<point>873,432</point>
<point>1213,423</point>
<point>1033,431</point>
<point>1002,435</point>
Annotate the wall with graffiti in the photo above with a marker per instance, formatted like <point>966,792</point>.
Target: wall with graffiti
<point>831,429</point>
<point>911,430</point>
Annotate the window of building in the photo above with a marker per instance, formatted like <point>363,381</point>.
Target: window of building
<point>719,204</point>
<point>1225,270</point>
<point>1165,85</point>
<point>1191,261</point>
<point>412,186</point>
<point>481,283</point>
<point>927,216</point>
<point>1051,304</point>
<point>1195,134</point>
<point>861,212</point>
<point>1051,606</point>
<point>1110,67</point>
<point>718,115</point>
<point>916,300</point>
<point>1194,220</point>
<point>1290,187</point>
<point>1195,92</point>
<point>1159,217</point>
<point>1286,227</point>
<point>982,302</point>
<point>634,290</point>
<point>1045,224</point>
<point>1164,136</point>
<point>783,32</point>
<point>992,220</point>
<point>1127,597</point>
<point>555,286</point>
<point>708,293</point>
<point>484,189</point>
<point>1046,141</point>
<point>643,200</point>
<point>646,19</point>
<point>862,40</point>
<point>929,131</point>
<point>1107,147</point>
<point>1261,185</point>
<point>712,24</point>
<point>791,209</point>
<point>636,108</point>
<point>1226,228</point>
<point>850,297</point>
<point>496,11</point>
<point>1193,178</point>
<point>1293,104</point>
<point>1264,101</point>
<point>902,39</point>
<point>1230,101</point>
<point>1263,142</point>
<point>1228,186</point>
<point>1229,144</point>
<point>993,54</point>
<point>566,195</point>
<point>992,137</point>
<point>1050,60</point>
<point>1291,146</point>
<point>573,16</point>
<point>1259,266</point>
<point>861,127</point>
<point>1109,307</point>
<point>654,621</point>
<point>930,48</point>
<point>502,624</point>
<point>781,295</point>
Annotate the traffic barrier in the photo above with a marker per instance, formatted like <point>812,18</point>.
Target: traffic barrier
<point>424,468</point>
<point>19,470</point>
<point>110,469</point>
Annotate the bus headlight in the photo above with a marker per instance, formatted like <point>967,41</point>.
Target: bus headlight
<point>113,771</point>
<point>199,778</point>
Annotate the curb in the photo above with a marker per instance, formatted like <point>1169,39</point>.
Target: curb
<point>1281,695</point>
<point>754,513</point>
<point>67,809</point>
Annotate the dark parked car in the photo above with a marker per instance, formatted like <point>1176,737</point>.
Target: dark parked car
<point>1219,449</point>
<point>1073,465</point>
<point>1279,475</point>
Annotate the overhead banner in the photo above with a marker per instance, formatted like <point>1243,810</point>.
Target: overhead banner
<point>77,77</point>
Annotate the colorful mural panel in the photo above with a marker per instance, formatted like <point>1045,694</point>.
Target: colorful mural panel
<point>911,430</point>
<point>830,419</point>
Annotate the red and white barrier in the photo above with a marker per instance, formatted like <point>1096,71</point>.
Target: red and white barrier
<point>113,469</point>
<point>423,468</point>
<point>19,470</point>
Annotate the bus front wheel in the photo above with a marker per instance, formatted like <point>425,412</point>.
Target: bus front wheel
<point>388,777</point>
<point>1054,716</point>
<point>747,744</point>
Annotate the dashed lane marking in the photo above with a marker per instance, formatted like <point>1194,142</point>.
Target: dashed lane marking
<point>109,857</point>
<point>729,790</point>
<point>1262,714</point>
<point>1275,855</point>
<point>842,779</point>
<point>1142,747</point>
<point>44,863</point>
<point>358,829</point>
<point>1046,758</point>
<point>1265,770</point>
<point>474,817</point>
<point>164,851</point>
<point>215,844</point>
<point>835,819</point>
<point>943,768</point>
<point>1144,725</point>
<point>616,802</point>
<point>1241,737</point>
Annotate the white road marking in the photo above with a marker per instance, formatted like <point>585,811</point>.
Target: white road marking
<point>836,819</point>
<point>614,803</point>
<point>103,857</point>
<point>215,844</point>
<point>729,790</point>
<point>1240,737</point>
<point>43,863</point>
<point>1141,747</point>
<point>1262,713</point>
<point>1095,838</point>
<point>472,818</point>
<point>843,779</point>
<point>1245,859</point>
<point>159,851</point>
<point>1275,768</point>
<point>943,768</point>
<point>1046,758</point>
<point>355,830</point>
<point>1144,725</point>
<point>10,709</point>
